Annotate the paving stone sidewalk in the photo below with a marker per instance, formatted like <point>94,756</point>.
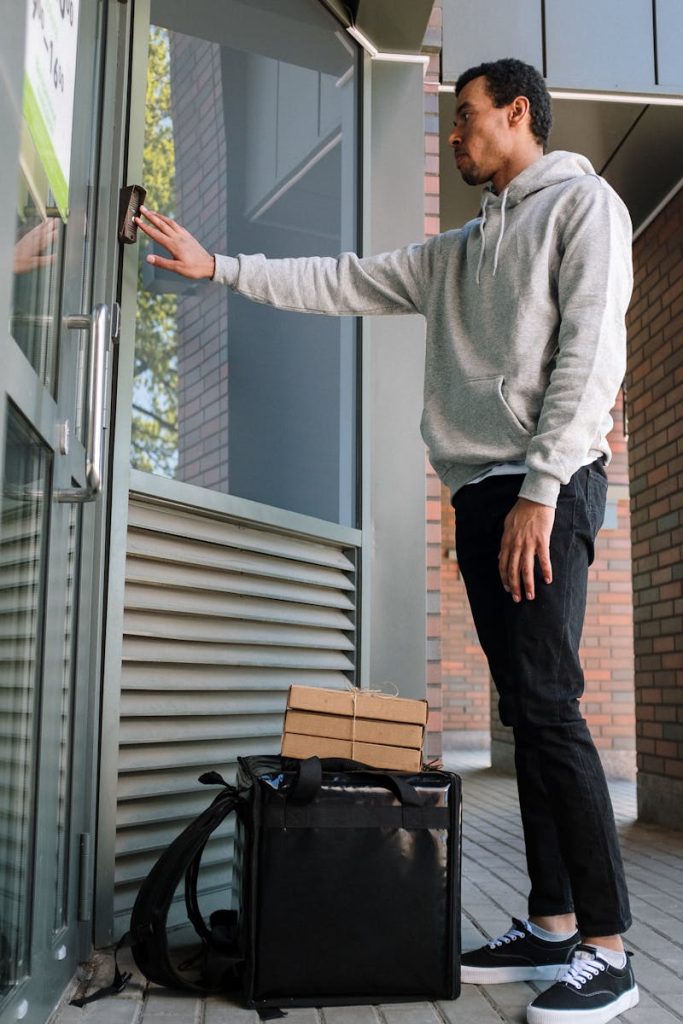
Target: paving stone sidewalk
<point>493,889</point>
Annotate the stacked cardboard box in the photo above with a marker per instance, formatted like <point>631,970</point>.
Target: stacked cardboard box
<point>377,729</point>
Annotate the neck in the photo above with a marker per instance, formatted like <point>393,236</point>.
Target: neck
<point>514,166</point>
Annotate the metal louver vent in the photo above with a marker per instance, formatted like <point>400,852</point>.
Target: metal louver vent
<point>219,619</point>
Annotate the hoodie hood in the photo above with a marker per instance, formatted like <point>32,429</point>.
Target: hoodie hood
<point>552,169</point>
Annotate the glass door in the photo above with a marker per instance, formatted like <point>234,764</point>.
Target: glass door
<point>54,347</point>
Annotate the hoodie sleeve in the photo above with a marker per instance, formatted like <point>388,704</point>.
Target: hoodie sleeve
<point>393,282</point>
<point>594,288</point>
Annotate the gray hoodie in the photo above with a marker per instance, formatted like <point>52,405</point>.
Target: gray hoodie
<point>525,306</point>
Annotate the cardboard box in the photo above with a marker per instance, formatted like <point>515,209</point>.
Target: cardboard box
<point>361,730</point>
<point>394,758</point>
<point>382,731</point>
<point>364,703</point>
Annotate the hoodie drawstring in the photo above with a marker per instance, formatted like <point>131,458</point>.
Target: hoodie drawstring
<point>501,232</point>
<point>482,225</point>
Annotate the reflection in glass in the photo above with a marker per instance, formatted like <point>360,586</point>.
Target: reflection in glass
<point>34,314</point>
<point>250,142</point>
<point>23,528</point>
<point>155,400</point>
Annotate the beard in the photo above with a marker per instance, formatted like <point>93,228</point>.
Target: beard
<point>470,178</point>
<point>471,173</point>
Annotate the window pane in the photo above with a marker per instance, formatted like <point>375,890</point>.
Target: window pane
<point>251,143</point>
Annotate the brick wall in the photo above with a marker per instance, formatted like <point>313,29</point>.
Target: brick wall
<point>655,400</point>
<point>432,46</point>
<point>607,647</point>
<point>466,704</point>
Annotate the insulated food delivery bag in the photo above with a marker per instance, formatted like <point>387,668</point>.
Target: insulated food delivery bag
<point>349,882</point>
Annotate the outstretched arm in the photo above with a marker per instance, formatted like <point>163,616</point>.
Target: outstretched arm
<point>393,282</point>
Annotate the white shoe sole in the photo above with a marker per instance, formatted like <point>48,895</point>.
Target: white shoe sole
<point>500,975</point>
<point>537,1015</point>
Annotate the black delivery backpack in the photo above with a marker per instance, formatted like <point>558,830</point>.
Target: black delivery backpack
<point>347,879</point>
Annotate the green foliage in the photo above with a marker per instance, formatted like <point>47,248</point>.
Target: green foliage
<point>154,442</point>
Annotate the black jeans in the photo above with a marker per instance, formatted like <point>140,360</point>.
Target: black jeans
<point>572,849</point>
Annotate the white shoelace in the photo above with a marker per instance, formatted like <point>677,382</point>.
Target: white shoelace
<point>510,936</point>
<point>582,970</point>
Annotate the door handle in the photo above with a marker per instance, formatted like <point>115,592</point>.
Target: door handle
<point>98,326</point>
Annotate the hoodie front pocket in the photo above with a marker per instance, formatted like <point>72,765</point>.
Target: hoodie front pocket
<point>473,424</point>
<point>489,403</point>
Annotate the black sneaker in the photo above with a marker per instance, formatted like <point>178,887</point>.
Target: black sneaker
<point>517,956</point>
<point>591,991</point>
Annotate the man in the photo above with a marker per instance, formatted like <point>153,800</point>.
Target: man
<point>525,314</point>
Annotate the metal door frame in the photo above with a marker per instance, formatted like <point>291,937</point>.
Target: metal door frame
<point>42,412</point>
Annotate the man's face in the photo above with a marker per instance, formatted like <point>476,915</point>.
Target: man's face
<point>480,136</point>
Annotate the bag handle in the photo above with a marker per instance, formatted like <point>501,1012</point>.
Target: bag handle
<point>309,779</point>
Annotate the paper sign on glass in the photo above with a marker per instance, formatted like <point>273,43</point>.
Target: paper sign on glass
<point>49,80</point>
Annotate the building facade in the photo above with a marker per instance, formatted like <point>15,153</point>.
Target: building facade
<point>203,500</point>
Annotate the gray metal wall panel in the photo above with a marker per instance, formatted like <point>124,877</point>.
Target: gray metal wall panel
<point>670,43</point>
<point>649,163</point>
<point>603,45</point>
<point>394,25</point>
<point>608,45</point>
<point>219,620</point>
<point>487,30</point>
<point>395,507</point>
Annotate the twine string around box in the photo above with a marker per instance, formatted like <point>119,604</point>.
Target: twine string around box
<point>355,692</point>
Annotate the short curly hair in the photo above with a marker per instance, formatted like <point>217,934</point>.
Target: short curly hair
<point>508,78</point>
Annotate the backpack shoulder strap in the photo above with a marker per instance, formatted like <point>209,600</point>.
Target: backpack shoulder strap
<point>148,935</point>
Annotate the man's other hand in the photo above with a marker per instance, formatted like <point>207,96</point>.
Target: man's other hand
<point>526,537</point>
<point>188,257</point>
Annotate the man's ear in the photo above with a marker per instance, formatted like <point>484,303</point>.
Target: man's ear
<point>519,109</point>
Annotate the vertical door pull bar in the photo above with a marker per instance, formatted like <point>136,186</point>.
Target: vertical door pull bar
<point>98,325</point>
